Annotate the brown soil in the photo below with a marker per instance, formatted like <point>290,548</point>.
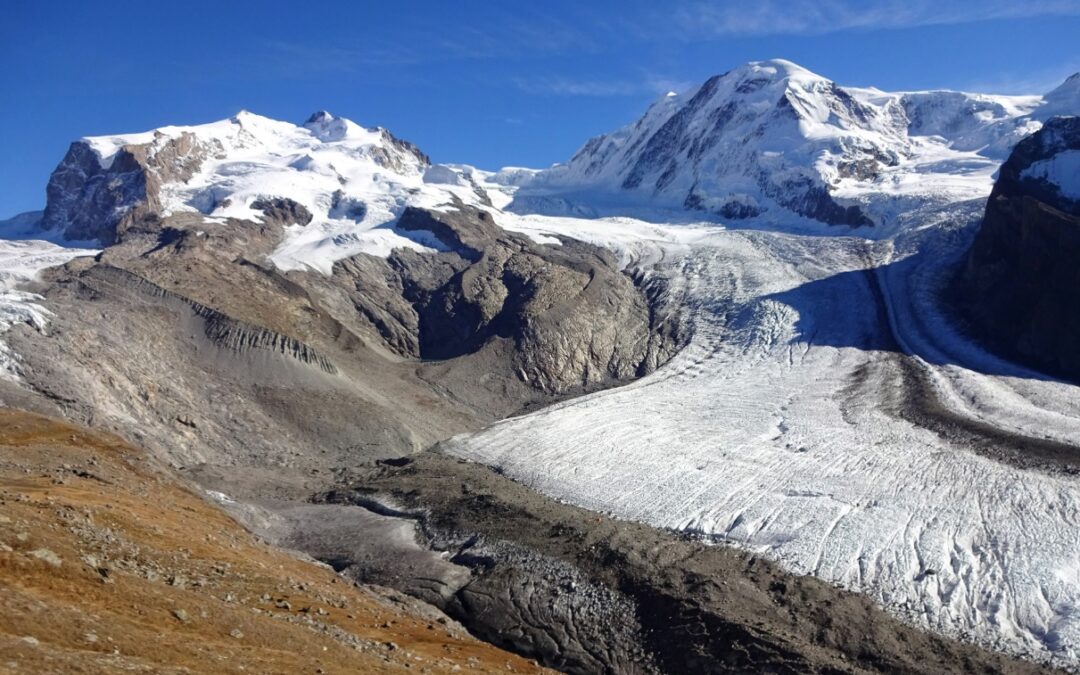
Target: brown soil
<point>108,564</point>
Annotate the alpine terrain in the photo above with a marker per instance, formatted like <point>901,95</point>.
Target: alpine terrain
<point>779,377</point>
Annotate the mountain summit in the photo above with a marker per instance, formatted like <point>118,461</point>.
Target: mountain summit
<point>771,138</point>
<point>329,180</point>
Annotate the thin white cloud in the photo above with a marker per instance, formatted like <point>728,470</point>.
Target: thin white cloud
<point>518,33</point>
<point>564,86</point>
<point>1039,81</point>
<point>809,17</point>
<point>292,59</point>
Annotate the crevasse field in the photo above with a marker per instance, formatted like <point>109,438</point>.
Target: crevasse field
<point>793,426</point>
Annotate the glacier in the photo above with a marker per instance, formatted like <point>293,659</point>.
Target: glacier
<point>794,426</point>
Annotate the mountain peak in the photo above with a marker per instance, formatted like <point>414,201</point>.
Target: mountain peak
<point>774,70</point>
<point>245,115</point>
<point>329,128</point>
<point>1064,99</point>
<point>1071,85</point>
<point>771,137</point>
<point>781,67</point>
<point>319,117</point>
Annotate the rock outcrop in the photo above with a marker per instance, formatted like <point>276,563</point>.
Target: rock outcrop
<point>90,197</point>
<point>1021,276</point>
<point>572,317</point>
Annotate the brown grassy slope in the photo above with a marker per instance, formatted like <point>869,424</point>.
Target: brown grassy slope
<point>107,564</point>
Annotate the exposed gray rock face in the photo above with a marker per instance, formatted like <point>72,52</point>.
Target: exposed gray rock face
<point>1021,277</point>
<point>542,607</point>
<point>91,199</point>
<point>283,210</point>
<point>573,318</point>
<point>492,325</point>
<point>221,329</point>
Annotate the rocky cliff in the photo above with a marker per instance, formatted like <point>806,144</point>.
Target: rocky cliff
<point>94,198</point>
<point>1021,276</point>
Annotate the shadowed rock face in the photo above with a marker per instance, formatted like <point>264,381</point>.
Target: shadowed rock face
<point>89,201</point>
<point>572,318</point>
<point>1021,277</point>
<point>283,210</point>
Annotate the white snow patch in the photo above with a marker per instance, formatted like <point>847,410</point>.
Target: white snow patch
<point>1062,170</point>
<point>220,497</point>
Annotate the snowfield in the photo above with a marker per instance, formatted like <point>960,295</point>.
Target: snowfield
<point>354,181</point>
<point>1063,170</point>
<point>790,427</point>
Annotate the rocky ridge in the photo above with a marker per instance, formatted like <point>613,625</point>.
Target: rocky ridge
<point>771,140</point>
<point>1019,279</point>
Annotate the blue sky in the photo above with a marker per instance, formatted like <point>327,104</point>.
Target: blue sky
<point>486,83</point>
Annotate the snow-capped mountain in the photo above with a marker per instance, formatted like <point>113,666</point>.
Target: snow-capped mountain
<point>337,187</point>
<point>771,138</point>
<point>768,141</point>
<point>809,401</point>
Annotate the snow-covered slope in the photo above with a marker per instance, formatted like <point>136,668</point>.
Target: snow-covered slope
<point>1059,166</point>
<point>351,182</point>
<point>1064,100</point>
<point>771,139</point>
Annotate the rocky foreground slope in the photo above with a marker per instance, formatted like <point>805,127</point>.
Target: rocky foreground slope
<point>108,564</point>
<point>1020,279</point>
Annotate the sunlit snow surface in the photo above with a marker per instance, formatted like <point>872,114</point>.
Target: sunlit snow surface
<point>354,181</point>
<point>1061,170</point>
<point>779,429</point>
